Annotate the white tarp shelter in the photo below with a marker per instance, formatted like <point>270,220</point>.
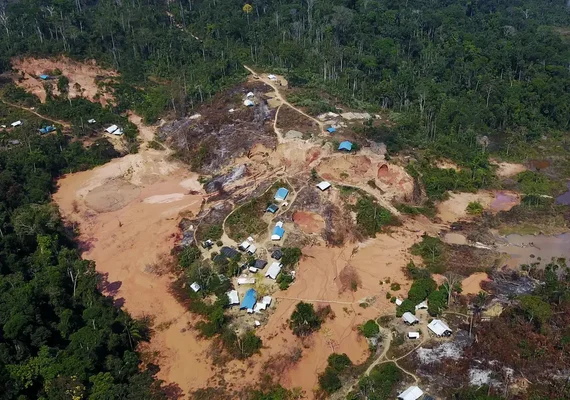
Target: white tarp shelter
<point>273,270</point>
<point>266,300</point>
<point>411,393</point>
<point>245,281</point>
<point>399,302</point>
<point>251,249</point>
<point>91,121</point>
<point>324,185</point>
<point>16,123</point>
<point>248,103</point>
<point>249,94</point>
<point>111,129</point>
<point>195,286</point>
<point>439,327</point>
<point>422,306</point>
<point>233,296</point>
<point>118,132</point>
<point>244,245</point>
<point>252,269</point>
<point>413,335</point>
<point>410,318</point>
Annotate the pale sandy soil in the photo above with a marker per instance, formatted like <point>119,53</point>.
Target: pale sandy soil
<point>472,284</point>
<point>84,74</point>
<point>507,170</point>
<point>392,181</point>
<point>455,208</point>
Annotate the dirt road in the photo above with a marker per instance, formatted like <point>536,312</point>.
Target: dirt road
<point>280,97</point>
<point>55,121</point>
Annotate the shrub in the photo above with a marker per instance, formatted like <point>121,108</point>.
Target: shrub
<point>291,256</point>
<point>395,286</point>
<point>474,208</point>
<point>431,249</point>
<point>243,346</point>
<point>371,217</point>
<point>393,299</point>
<point>437,302</point>
<point>329,381</point>
<point>188,256</point>
<point>284,280</point>
<point>388,295</point>
<point>213,232</point>
<point>421,289</point>
<point>339,362</point>
<point>382,381</point>
<point>219,243</point>
<point>304,320</point>
<point>370,329</point>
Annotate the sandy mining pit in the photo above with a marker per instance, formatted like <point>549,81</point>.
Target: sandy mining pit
<point>83,77</point>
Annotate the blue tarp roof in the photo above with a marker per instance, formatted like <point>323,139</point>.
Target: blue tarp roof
<point>249,299</point>
<point>346,145</point>
<point>281,194</point>
<point>47,129</point>
<point>278,231</point>
<point>331,129</point>
<point>44,77</point>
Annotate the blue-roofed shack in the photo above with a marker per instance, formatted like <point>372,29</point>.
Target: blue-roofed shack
<point>249,299</point>
<point>47,129</point>
<point>281,194</point>
<point>278,233</point>
<point>332,129</point>
<point>346,145</point>
<point>44,77</point>
<point>273,208</point>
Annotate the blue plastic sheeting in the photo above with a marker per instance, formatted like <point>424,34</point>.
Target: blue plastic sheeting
<point>249,299</point>
<point>47,129</point>
<point>44,77</point>
<point>279,231</point>
<point>272,208</point>
<point>281,194</point>
<point>331,129</point>
<point>346,145</point>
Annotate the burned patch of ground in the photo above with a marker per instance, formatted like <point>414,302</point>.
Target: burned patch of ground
<point>466,260</point>
<point>214,136</point>
<point>290,119</point>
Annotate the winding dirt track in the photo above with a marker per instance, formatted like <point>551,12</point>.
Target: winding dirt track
<point>55,121</point>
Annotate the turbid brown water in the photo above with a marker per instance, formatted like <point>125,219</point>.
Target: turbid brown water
<point>527,249</point>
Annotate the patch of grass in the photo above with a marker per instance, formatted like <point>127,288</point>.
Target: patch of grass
<point>247,219</point>
<point>432,251</point>
<point>371,217</point>
<point>474,208</point>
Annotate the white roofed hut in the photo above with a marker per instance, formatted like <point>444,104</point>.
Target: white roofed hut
<point>411,393</point>
<point>195,287</point>
<point>324,185</point>
<point>111,129</point>
<point>410,318</point>
<point>233,297</point>
<point>273,270</point>
<point>439,328</point>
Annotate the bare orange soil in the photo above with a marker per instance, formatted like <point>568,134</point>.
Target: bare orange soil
<point>83,74</point>
<point>309,222</point>
<point>455,207</point>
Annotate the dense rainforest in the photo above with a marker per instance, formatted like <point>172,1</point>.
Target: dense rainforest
<point>453,73</point>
